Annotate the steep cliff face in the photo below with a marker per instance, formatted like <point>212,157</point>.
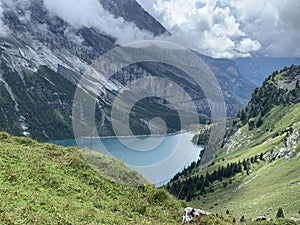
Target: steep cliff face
<point>37,37</point>
<point>37,101</point>
<point>236,89</point>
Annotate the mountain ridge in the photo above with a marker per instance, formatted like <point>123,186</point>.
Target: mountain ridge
<point>135,13</point>
<point>46,40</point>
<point>256,167</point>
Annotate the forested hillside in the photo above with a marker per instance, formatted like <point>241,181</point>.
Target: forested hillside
<point>257,169</point>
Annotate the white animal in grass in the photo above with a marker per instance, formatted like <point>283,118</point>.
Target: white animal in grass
<point>190,214</point>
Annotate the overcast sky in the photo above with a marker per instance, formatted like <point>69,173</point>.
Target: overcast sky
<point>218,28</point>
<point>231,28</point>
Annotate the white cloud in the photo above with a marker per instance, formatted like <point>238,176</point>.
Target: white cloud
<point>232,28</point>
<point>248,45</point>
<point>219,28</point>
<point>91,13</point>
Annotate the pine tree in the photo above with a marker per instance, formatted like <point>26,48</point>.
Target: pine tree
<point>244,163</point>
<point>243,117</point>
<point>200,183</point>
<point>280,213</point>
<point>242,219</point>
<point>261,157</point>
<point>255,158</point>
<point>259,122</point>
<point>206,180</point>
<point>239,167</point>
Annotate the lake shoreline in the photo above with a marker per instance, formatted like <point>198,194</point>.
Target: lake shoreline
<point>137,136</point>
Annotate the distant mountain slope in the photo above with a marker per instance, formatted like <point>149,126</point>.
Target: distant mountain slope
<point>237,90</point>
<point>256,69</point>
<point>45,40</point>
<point>257,170</point>
<point>38,103</point>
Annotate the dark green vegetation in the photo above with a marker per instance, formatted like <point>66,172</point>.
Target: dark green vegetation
<point>202,137</point>
<point>200,185</point>
<point>257,170</point>
<point>43,103</point>
<point>40,103</point>
<point>280,89</point>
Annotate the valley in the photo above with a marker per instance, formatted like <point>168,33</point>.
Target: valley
<point>95,130</point>
<point>257,170</point>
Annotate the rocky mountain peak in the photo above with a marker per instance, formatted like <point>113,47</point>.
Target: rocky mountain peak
<point>131,11</point>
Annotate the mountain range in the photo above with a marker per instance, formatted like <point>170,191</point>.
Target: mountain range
<point>254,174</point>
<point>43,58</point>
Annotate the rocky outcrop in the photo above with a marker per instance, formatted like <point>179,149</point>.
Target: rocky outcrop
<point>288,150</point>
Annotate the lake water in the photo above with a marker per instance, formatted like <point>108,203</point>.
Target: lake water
<point>157,158</point>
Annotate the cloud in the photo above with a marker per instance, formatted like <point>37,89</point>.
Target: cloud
<point>248,45</point>
<point>90,13</point>
<point>218,28</point>
<point>232,28</point>
<point>290,16</point>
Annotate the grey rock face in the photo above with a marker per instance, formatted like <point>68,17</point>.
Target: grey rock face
<point>131,11</point>
<point>39,38</point>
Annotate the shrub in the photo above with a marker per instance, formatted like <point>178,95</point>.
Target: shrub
<point>4,136</point>
<point>159,196</point>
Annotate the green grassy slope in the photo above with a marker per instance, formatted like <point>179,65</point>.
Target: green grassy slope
<point>47,184</point>
<point>113,169</point>
<point>268,185</point>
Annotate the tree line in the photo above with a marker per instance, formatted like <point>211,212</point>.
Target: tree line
<point>188,188</point>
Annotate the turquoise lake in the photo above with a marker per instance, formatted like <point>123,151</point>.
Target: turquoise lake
<point>157,158</point>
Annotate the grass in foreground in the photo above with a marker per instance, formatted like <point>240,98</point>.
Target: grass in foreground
<point>47,184</point>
